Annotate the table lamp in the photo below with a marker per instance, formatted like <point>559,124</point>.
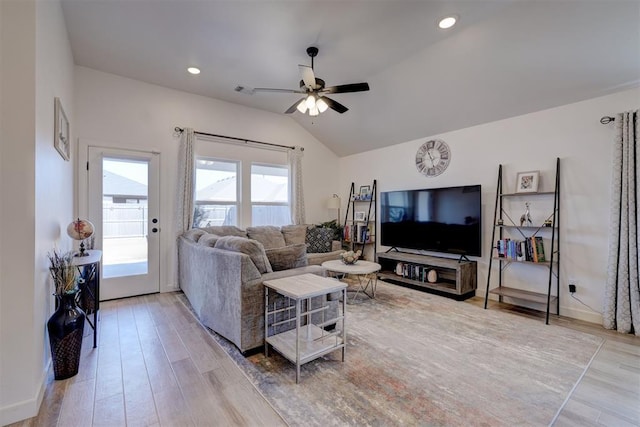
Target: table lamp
<point>334,203</point>
<point>80,229</point>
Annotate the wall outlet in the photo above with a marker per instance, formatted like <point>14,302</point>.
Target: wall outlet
<point>572,285</point>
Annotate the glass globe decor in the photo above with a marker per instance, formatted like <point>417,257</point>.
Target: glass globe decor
<point>80,229</point>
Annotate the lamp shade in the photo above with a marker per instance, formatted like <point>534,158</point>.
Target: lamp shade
<point>321,105</point>
<point>333,203</point>
<point>80,229</point>
<point>302,106</point>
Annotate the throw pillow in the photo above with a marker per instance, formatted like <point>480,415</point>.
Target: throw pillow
<point>208,240</point>
<point>268,235</point>
<point>292,256</point>
<point>294,234</point>
<point>319,240</point>
<point>194,234</point>
<point>226,230</point>
<point>253,248</point>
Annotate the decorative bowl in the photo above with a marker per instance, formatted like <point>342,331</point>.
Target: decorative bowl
<point>350,257</point>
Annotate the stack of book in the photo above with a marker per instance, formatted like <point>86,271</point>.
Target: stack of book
<point>414,271</point>
<point>358,233</point>
<point>531,249</point>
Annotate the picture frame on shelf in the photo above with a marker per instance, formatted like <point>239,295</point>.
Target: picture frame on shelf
<point>360,216</point>
<point>527,182</point>
<point>61,138</point>
<point>365,192</point>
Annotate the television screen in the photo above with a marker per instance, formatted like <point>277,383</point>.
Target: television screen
<point>435,219</point>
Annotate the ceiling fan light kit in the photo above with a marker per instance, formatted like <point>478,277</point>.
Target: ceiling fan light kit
<point>314,90</point>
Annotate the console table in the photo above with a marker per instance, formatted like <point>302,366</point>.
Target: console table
<point>307,342</point>
<point>89,298</point>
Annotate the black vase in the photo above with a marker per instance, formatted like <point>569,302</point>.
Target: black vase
<point>66,327</point>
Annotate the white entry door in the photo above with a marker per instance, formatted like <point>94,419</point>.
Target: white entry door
<point>124,206</point>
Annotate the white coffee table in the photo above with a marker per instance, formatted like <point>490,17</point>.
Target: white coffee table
<point>365,271</point>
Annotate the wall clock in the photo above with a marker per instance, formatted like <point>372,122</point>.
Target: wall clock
<point>433,157</point>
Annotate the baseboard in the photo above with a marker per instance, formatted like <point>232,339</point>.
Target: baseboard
<point>170,288</point>
<point>587,316</point>
<point>27,408</point>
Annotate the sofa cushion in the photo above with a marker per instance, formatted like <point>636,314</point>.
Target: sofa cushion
<point>294,234</point>
<point>319,240</point>
<point>226,230</point>
<point>270,236</point>
<point>287,257</point>
<point>194,234</point>
<point>208,239</point>
<point>252,248</point>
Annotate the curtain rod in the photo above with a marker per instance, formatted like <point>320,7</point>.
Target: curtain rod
<point>607,119</point>
<point>290,147</point>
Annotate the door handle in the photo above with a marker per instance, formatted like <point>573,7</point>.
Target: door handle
<point>154,229</point>
<point>154,220</point>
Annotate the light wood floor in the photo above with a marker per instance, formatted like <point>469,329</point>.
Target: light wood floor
<point>156,365</point>
<point>608,394</point>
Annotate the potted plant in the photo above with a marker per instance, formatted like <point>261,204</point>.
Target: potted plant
<point>337,228</point>
<point>66,325</point>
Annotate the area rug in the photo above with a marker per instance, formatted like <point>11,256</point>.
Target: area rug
<point>420,359</point>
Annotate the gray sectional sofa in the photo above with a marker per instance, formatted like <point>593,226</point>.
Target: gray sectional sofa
<point>221,270</point>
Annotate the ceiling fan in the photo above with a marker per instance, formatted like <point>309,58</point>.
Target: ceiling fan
<point>314,101</point>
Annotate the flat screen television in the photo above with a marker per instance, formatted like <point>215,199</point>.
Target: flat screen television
<point>433,219</point>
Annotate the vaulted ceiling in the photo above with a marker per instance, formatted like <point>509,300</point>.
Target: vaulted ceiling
<point>503,58</point>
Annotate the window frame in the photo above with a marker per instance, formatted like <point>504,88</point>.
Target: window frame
<point>238,201</point>
<point>287,204</point>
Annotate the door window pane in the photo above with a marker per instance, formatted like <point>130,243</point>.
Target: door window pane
<point>124,217</point>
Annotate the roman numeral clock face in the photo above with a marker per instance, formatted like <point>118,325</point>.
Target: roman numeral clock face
<point>433,157</point>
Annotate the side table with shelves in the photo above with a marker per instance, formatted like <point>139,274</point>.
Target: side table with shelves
<point>526,244</point>
<point>455,278</point>
<point>89,297</point>
<point>311,337</point>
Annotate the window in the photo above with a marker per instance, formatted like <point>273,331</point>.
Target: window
<point>217,191</point>
<point>270,195</point>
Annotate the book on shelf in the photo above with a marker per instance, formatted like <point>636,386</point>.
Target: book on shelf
<point>531,249</point>
<point>540,249</point>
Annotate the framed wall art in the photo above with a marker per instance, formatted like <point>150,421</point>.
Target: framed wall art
<point>365,192</point>
<point>527,182</point>
<point>61,139</point>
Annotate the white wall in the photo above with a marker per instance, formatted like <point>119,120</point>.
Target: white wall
<point>118,112</point>
<point>529,142</point>
<point>36,66</point>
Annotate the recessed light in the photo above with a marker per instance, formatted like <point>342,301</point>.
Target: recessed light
<point>447,22</point>
<point>193,70</point>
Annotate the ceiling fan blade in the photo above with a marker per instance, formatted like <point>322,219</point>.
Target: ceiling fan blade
<point>334,105</point>
<point>267,89</point>
<point>308,76</point>
<point>353,87</point>
<point>245,89</point>
<point>293,107</point>
<point>250,90</point>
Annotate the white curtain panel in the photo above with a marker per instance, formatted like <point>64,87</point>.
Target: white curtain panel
<point>294,158</point>
<point>622,292</point>
<point>186,179</point>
